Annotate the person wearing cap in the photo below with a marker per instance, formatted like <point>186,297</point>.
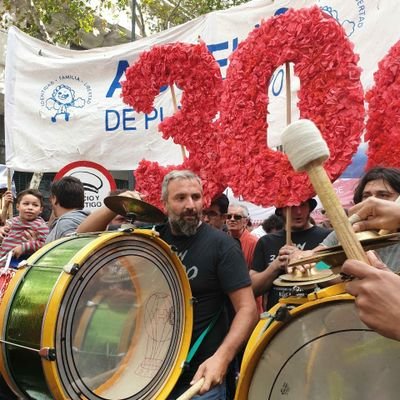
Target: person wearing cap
<point>272,254</point>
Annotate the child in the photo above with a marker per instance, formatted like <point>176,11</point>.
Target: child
<point>29,206</point>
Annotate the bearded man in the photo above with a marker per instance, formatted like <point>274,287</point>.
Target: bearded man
<point>216,270</point>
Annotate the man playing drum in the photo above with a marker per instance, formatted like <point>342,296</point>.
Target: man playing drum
<point>216,270</point>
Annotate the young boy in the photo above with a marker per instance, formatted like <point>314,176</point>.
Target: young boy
<point>29,206</point>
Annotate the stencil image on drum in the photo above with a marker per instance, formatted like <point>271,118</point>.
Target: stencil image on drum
<point>158,319</point>
<point>119,325</point>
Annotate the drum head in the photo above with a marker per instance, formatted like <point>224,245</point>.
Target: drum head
<point>113,312</point>
<point>323,352</point>
<point>121,322</point>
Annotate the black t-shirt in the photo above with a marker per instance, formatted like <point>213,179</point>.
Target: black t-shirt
<point>215,267</point>
<point>268,247</point>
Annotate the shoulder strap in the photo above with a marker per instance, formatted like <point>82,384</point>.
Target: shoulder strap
<point>197,343</point>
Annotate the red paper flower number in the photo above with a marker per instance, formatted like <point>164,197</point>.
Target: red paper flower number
<point>233,151</point>
<point>331,96</point>
<point>194,70</point>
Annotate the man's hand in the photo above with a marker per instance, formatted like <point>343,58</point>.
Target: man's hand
<point>281,262</point>
<point>377,292</point>
<point>298,255</point>
<point>376,213</point>
<point>213,370</point>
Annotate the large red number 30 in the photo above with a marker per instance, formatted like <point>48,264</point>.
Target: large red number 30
<point>232,150</point>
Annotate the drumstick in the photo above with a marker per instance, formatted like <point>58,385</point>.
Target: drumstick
<point>288,121</point>
<point>306,150</point>
<point>192,391</point>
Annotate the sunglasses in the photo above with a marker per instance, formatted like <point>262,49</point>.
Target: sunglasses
<point>236,217</point>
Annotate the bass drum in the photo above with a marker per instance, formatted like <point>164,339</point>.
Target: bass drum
<point>322,351</point>
<point>104,316</point>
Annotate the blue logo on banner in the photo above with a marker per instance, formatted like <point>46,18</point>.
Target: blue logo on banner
<point>64,95</point>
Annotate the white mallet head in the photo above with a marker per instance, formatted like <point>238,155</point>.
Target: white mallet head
<point>302,143</point>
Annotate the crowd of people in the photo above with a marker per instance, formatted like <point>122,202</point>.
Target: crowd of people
<point>234,268</point>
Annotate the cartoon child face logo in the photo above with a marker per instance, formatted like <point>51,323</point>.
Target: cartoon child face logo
<point>64,94</point>
<point>61,100</point>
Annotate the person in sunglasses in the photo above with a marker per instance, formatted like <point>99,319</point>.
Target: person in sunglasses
<point>215,214</point>
<point>272,254</point>
<point>237,219</point>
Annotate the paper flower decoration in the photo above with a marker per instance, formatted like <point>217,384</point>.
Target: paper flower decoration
<point>383,125</point>
<point>331,96</point>
<point>193,69</point>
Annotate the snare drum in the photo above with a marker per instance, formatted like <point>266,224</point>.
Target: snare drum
<point>104,316</point>
<point>322,350</point>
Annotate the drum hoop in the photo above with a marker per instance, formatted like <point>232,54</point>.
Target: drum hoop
<point>253,356</point>
<point>5,307</point>
<point>4,312</point>
<point>51,373</point>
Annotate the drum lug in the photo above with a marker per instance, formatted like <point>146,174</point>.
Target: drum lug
<point>282,314</point>
<point>127,230</point>
<point>71,269</point>
<point>48,353</point>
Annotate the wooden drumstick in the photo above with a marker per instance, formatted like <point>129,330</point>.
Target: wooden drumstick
<point>192,391</point>
<point>307,151</point>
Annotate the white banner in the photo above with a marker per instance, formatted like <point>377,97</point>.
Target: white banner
<point>63,106</point>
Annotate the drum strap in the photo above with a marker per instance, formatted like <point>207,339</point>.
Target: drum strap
<point>197,343</point>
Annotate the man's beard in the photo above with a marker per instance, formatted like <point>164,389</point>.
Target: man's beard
<point>180,226</point>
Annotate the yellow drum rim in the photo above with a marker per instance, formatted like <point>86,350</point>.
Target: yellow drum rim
<point>6,302</point>
<point>254,351</point>
<point>4,311</point>
<point>51,313</point>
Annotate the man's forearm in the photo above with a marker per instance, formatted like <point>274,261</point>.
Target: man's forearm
<point>261,282</point>
<point>96,221</point>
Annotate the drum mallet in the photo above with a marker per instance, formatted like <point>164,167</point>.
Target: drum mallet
<point>192,391</point>
<point>307,151</point>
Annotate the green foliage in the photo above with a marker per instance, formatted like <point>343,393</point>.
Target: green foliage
<point>161,15</point>
<point>64,21</point>
<point>57,21</point>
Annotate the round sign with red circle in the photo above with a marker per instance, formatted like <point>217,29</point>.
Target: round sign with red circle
<point>97,181</point>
